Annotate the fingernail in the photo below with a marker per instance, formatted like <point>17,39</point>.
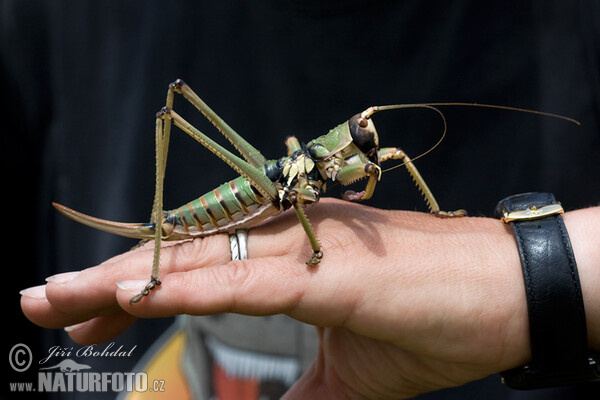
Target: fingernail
<point>75,327</point>
<point>35,292</point>
<point>63,278</point>
<point>132,286</point>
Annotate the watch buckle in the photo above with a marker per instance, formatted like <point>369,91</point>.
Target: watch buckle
<point>531,213</point>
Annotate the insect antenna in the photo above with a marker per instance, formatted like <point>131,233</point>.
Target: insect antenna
<point>372,110</point>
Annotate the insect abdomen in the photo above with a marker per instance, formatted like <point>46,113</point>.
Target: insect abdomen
<point>230,202</point>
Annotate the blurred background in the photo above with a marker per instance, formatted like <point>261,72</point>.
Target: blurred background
<point>81,83</point>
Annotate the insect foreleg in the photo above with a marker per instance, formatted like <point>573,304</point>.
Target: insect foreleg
<point>353,172</point>
<point>394,153</point>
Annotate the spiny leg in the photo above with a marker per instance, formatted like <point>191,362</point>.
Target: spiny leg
<point>354,172</point>
<point>297,197</point>
<point>164,120</point>
<point>394,153</point>
<point>292,144</point>
<point>254,175</point>
<point>163,131</point>
<point>249,152</point>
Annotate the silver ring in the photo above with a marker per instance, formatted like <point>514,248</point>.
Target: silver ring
<point>238,243</point>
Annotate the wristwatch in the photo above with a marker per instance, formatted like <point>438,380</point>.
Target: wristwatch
<point>557,325</point>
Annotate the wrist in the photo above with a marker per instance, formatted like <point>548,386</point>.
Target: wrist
<point>583,228</point>
<point>558,327</point>
<point>478,281</point>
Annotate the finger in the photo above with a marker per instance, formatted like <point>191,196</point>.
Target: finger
<point>75,297</point>
<point>100,329</point>
<point>91,292</point>
<point>274,279</point>
<point>81,328</point>
<point>316,383</point>
<point>212,251</point>
<point>80,296</point>
<point>265,286</point>
<point>255,287</point>
<point>37,309</point>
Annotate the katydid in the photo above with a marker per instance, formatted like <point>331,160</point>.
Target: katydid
<point>265,188</point>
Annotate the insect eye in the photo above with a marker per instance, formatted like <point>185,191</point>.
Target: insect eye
<point>364,136</point>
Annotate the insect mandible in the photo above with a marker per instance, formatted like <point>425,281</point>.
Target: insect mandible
<point>265,188</point>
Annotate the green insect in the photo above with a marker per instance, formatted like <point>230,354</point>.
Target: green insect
<point>265,188</point>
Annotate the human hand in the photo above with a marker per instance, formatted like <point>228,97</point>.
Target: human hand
<point>405,302</point>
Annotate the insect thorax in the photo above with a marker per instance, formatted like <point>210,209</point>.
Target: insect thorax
<point>297,171</point>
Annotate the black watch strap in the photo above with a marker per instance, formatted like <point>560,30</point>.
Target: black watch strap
<point>559,350</point>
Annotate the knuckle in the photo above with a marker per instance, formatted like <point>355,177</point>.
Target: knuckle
<point>191,254</point>
<point>234,276</point>
<point>191,250</point>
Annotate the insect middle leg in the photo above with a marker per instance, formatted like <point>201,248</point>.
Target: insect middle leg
<point>298,197</point>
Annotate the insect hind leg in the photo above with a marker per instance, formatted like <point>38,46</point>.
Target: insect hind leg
<point>248,152</point>
<point>163,132</point>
